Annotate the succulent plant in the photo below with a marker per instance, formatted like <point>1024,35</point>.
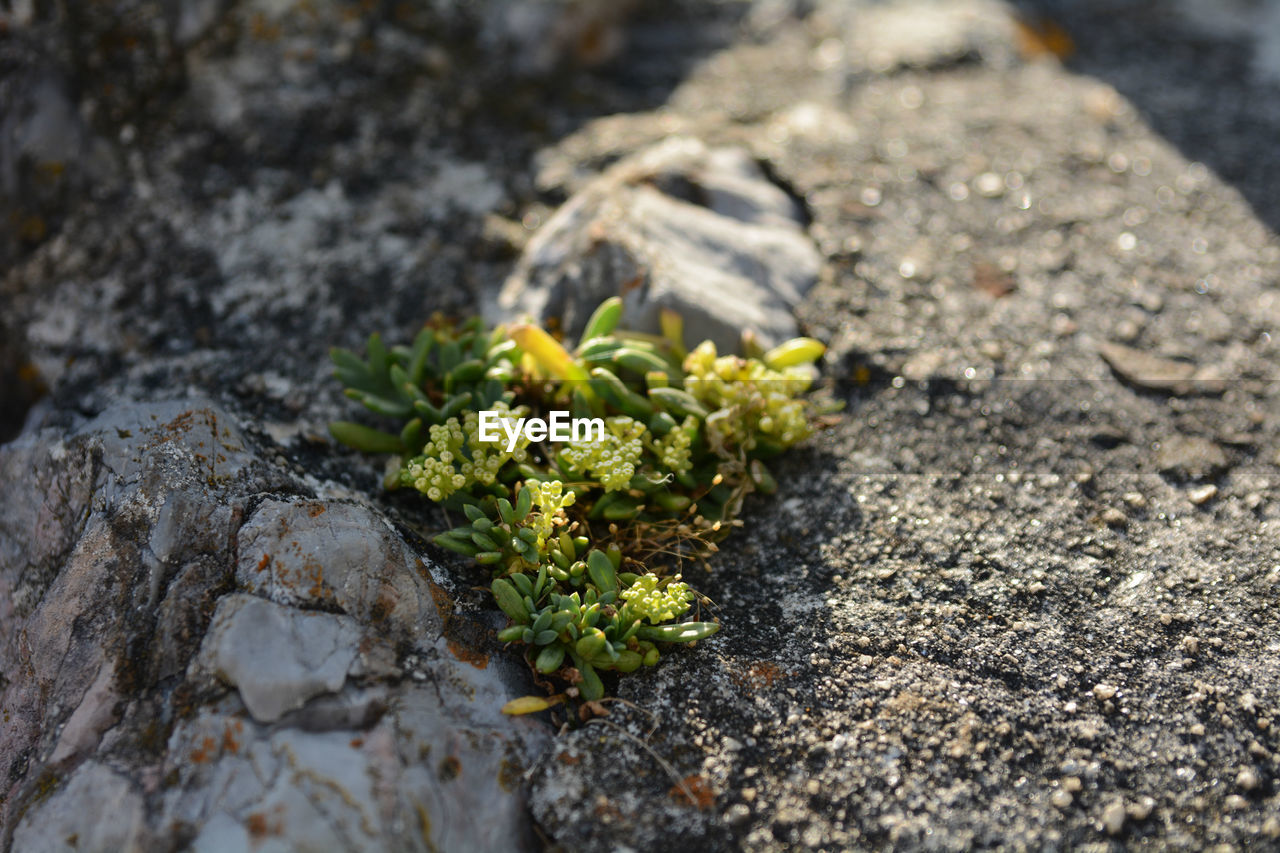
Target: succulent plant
<point>580,534</point>
<point>447,370</point>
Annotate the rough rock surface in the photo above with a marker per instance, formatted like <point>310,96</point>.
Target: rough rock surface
<point>699,231</point>
<point>1022,595</point>
<point>147,703</point>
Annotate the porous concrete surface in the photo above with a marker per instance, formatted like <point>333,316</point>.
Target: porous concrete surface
<point>1021,595</point>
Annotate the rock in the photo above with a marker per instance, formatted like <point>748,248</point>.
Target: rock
<point>47,154</point>
<point>1256,22</point>
<point>1247,779</point>
<point>178,607</point>
<point>1154,373</point>
<point>537,36</point>
<point>588,772</point>
<point>1141,809</point>
<point>1184,458</point>
<point>1113,817</point>
<point>407,779</point>
<point>680,225</point>
<point>318,554</point>
<point>926,34</point>
<point>278,657</point>
<point>95,809</point>
<point>1202,494</point>
<point>1114,517</point>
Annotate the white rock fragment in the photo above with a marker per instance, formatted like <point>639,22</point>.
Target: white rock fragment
<point>1247,779</point>
<point>278,657</point>
<point>1202,494</point>
<point>698,230</point>
<point>926,33</point>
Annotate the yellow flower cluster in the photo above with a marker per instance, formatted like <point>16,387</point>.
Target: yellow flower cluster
<point>611,461</point>
<point>747,398</point>
<point>550,499</point>
<point>455,457</point>
<point>646,601</point>
<point>673,448</point>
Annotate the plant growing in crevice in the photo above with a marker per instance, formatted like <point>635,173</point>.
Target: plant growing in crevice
<point>584,537</point>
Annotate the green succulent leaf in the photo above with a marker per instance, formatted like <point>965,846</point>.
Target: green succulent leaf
<point>456,544</point>
<point>602,571</point>
<point>511,634</point>
<point>678,402</point>
<point>794,353</point>
<point>681,632</point>
<point>543,622</point>
<point>524,503</point>
<point>550,659</point>
<point>628,661</point>
<point>522,583</point>
<point>509,600</point>
<point>604,319</point>
<point>365,438</point>
<point>591,687</point>
<point>591,643</point>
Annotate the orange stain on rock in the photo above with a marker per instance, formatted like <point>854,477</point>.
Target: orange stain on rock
<point>1043,37</point>
<point>697,787</point>
<point>454,639</point>
<point>478,659</point>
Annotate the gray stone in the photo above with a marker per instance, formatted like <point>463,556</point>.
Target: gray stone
<point>1160,374</point>
<point>131,654</point>
<point>922,34</point>
<point>1190,457</point>
<point>322,554</point>
<point>683,226</point>
<point>96,809</point>
<point>412,780</point>
<point>47,154</point>
<point>277,657</point>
